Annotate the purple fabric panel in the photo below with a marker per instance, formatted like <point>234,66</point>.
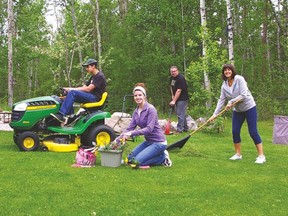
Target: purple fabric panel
<point>280,130</point>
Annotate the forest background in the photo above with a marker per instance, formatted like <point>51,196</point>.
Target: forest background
<point>137,41</point>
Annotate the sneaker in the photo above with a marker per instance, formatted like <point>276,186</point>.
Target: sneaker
<point>167,161</point>
<point>236,157</point>
<point>59,117</point>
<point>133,163</point>
<point>260,159</point>
<point>134,166</point>
<point>72,121</point>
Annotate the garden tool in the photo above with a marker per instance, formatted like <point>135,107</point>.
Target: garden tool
<point>181,143</point>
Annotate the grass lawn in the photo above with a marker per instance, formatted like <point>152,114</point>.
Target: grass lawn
<point>202,181</point>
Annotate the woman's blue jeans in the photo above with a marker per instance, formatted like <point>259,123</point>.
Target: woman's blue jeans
<point>75,96</point>
<point>237,122</point>
<point>148,153</point>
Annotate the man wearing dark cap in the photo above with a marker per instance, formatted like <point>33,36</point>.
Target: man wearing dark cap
<point>90,92</point>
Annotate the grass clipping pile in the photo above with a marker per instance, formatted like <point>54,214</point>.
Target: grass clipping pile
<point>191,152</point>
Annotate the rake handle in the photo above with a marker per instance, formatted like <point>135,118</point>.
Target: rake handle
<point>219,114</point>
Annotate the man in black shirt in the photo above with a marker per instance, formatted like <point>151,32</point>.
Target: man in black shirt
<point>179,92</point>
<point>90,92</point>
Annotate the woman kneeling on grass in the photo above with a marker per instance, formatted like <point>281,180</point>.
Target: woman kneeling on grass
<point>234,88</point>
<point>153,150</point>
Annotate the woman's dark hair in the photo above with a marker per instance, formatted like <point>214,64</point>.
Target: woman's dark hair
<point>231,67</point>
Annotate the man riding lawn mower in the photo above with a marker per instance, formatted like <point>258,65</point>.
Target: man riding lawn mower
<point>34,126</point>
<point>40,120</point>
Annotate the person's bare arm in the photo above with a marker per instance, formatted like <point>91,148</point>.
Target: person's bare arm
<point>175,97</point>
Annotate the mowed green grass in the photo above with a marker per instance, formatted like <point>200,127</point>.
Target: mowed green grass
<point>202,181</point>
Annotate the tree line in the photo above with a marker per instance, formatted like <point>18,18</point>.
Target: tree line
<point>138,40</point>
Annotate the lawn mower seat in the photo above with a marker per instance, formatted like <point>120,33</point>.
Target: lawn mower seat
<point>95,105</point>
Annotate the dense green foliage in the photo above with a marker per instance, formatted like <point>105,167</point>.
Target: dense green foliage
<point>141,45</point>
<point>202,181</point>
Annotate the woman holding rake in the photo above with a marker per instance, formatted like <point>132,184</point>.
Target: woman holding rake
<point>234,88</point>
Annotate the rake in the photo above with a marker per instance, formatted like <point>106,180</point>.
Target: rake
<point>182,142</point>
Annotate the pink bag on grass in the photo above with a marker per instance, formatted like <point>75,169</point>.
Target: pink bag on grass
<point>85,157</point>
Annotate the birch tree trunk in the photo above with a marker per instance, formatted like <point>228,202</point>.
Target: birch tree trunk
<point>35,66</point>
<point>280,27</point>
<point>97,34</point>
<point>123,8</point>
<point>278,35</point>
<point>67,58</point>
<point>10,51</point>
<point>265,40</point>
<point>94,30</point>
<point>30,78</point>
<point>77,36</point>
<point>183,39</point>
<point>204,49</point>
<point>230,32</point>
<point>69,69</point>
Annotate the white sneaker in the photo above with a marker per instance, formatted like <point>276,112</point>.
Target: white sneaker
<point>260,159</point>
<point>167,161</point>
<point>236,157</point>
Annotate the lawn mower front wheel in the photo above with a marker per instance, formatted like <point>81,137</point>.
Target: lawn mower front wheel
<point>28,141</point>
<point>101,135</point>
<point>15,137</point>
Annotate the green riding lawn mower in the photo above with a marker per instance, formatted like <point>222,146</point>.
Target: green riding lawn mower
<point>34,127</point>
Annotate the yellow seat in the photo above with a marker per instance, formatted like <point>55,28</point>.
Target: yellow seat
<point>95,104</point>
